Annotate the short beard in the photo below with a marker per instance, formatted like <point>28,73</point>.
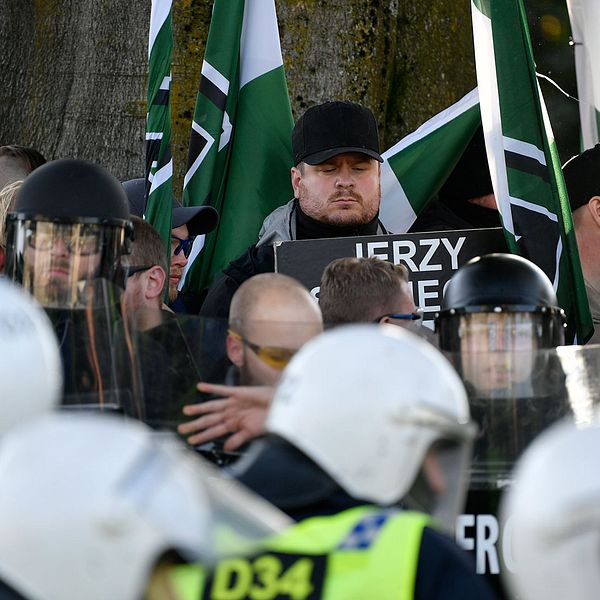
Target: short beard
<point>173,292</point>
<point>340,218</point>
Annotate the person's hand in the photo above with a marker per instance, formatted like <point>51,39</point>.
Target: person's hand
<point>241,411</point>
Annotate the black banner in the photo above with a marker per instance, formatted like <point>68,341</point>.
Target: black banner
<point>431,258</point>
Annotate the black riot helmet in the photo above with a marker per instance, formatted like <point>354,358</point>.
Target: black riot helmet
<point>505,290</point>
<point>70,225</point>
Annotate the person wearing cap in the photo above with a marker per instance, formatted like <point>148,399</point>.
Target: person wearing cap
<point>188,222</point>
<point>336,186</point>
<point>582,178</point>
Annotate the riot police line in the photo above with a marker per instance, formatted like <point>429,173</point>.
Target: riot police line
<point>504,341</point>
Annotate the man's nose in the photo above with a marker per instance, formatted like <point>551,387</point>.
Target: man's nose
<point>60,247</point>
<point>345,177</point>
<point>179,259</point>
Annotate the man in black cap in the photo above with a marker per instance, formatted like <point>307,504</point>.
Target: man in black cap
<point>188,222</point>
<point>335,179</point>
<point>582,177</point>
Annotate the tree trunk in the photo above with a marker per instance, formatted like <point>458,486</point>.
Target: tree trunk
<point>74,73</point>
<point>73,79</point>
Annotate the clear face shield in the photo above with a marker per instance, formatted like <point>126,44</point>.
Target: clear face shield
<point>99,353</point>
<point>515,395</point>
<point>58,262</point>
<point>176,352</point>
<point>441,486</point>
<point>496,352</point>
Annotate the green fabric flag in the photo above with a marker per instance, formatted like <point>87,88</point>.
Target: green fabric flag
<point>417,166</point>
<point>240,148</point>
<point>522,155</point>
<point>159,163</point>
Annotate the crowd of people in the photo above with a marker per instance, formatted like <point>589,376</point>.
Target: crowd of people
<point>326,449</point>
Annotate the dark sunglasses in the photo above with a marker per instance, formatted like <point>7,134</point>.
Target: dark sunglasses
<point>414,316</point>
<point>178,245</point>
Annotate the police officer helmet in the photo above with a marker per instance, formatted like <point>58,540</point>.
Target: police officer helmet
<point>373,384</point>
<point>92,503</point>
<point>75,209</point>
<point>30,364</point>
<point>552,511</point>
<point>500,285</point>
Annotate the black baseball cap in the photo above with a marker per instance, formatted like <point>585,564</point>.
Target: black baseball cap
<point>199,219</point>
<point>582,177</point>
<point>329,129</point>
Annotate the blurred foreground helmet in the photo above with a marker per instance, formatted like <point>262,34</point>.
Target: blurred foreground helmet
<point>91,503</point>
<point>30,367</point>
<point>505,302</point>
<point>70,226</point>
<point>553,510</point>
<point>361,402</point>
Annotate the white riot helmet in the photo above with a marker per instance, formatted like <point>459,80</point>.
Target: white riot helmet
<point>553,513</point>
<point>366,403</point>
<point>90,503</point>
<point>30,364</point>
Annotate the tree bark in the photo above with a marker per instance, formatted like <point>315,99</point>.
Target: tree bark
<point>74,73</point>
<point>73,79</point>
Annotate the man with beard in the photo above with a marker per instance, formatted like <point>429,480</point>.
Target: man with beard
<point>188,223</point>
<point>335,179</point>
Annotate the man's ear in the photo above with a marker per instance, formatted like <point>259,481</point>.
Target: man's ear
<point>155,282</point>
<point>593,206</point>
<point>296,178</point>
<point>235,350</point>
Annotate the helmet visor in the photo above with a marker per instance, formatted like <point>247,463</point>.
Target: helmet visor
<point>55,262</point>
<point>497,352</point>
<point>536,389</point>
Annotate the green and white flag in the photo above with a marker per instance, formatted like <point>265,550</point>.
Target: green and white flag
<point>522,155</point>
<point>585,28</point>
<point>416,167</point>
<point>159,163</point>
<point>240,150</point>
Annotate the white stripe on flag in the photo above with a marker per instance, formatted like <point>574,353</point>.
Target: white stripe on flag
<point>485,63</point>
<point>196,247</point>
<point>585,17</point>
<point>397,215</point>
<point>525,149</point>
<point>165,84</point>
<point>215,77</point>
<point>159,14</point>
<point>559,248</point>
<point>542,210</point>
<point>465,103</point>
<point>210,140</point>
<point>226,133</point>
<point>161,176</point>
<point>260,51</point>
<point>154,135</point>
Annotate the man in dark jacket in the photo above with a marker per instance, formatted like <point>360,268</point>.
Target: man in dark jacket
<point>336,193</point>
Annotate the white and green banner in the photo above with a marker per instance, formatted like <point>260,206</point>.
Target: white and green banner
<point>240,150</point>
<point>416,167</point>
<point>159,163</point>
<point>585,28</point>
<point>522,154</point>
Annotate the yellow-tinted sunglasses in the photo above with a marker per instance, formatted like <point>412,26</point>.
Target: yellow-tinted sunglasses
<point>274,356</point>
